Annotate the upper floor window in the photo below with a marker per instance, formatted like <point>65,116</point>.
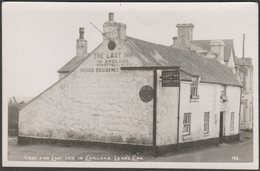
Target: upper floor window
<point>223,93</point>
<point>250,80</point>
<point>194,88</point>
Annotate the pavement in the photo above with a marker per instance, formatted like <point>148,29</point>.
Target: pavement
<point>241,151</point>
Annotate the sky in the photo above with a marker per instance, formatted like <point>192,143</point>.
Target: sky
<point>40,37</point>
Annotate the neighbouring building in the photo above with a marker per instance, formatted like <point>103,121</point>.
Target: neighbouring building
<point>244,71</point>
<point>133,93</point>
<point>224,51</point>
<point>14,105</point>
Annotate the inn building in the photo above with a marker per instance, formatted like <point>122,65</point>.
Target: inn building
<point>134,93</point>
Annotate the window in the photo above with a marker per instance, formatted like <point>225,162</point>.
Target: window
<point>194,88</point>
<point>232,120</point>
<point>250,80</point>
<point>223,93</point>
<point>186,124</point>
<point>206,122</point>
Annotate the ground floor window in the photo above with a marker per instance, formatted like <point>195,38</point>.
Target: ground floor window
<point>186,123</point>
<point>206,122</point>
<point>232,120</point>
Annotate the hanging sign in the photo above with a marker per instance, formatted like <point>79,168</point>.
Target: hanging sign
<point>171,78</point>
<point>146,93</point>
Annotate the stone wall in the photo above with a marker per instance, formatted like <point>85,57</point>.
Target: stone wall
<point>94,106</point>
<point>167,112</point>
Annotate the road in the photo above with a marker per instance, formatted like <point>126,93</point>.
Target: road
<point>236,152</point>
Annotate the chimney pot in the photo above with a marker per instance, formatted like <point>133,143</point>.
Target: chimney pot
<point>81,44</point>
<point>111,16</point>
<point>81,33</point>
<point>174,40</point>
<point>217,47</point>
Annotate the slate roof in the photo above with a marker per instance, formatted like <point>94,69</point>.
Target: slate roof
<point>151,54</point>
<point>69,66</point>
<point>210,70</point>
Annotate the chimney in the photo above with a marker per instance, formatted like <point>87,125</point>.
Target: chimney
<point>81,48</point>
<point>217,48</point>
<point>174,40</point>
<point>185,34</point>
<point>113,30</point>
<point>111,16</point>
<point>81,33</point>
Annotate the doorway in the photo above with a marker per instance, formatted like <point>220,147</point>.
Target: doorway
<point>221,127</point>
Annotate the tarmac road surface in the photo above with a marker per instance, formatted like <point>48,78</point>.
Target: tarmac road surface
<point>241,151</point>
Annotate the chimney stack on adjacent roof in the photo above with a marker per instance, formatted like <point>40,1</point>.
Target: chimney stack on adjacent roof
<point>81,47</point>
<point>217,48</point>
<point>111,16</point>
<point>174,40</point>
<point>185,31</point>
<point>185,35</point>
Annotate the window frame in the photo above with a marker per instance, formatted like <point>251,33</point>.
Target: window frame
<point>206,122</point>
<point>194,87</point>
<point>232,121</point>
<point>223,93</point>
<point>224,90</point>
<point>188,124</point>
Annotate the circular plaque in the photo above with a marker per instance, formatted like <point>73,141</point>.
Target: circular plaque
<point>111,45</point>
<point>146,93</point>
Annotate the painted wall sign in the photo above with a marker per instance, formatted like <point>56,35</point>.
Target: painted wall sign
<point>171,78</point>
<point>146,93</point>
<point>109,62</point>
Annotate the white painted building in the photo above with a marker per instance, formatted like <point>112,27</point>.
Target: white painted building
<point>224,51</point>
<point>134,93</point>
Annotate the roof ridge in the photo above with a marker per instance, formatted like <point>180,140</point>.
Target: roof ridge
<point>147,41</point>
<point>156,44</point>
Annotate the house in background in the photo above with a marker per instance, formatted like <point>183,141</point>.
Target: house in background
<point>14,105</point>
<point>224,51</point>
<point>244,71</point>
<point>133,93</point>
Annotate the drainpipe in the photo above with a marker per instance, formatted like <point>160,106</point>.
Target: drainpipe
<point>239,113</point>
<point>154,111</point>
<point>178,117</point>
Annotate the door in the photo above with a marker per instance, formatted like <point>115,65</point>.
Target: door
<point>221,127</point>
